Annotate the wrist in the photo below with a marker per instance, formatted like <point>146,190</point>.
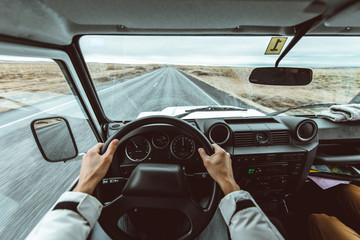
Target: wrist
<point>84,188</point>
<point>229,186</point>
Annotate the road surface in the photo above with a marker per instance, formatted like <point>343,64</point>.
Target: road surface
<point>29,185</point>
<point>157,90</point>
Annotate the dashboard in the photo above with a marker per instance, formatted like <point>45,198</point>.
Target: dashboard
<point>158,144</point>
<point>271,156</point>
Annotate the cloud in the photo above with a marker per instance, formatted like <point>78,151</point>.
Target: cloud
<point>6,58</point>
<point>214,50</point>
<point>226,51</point>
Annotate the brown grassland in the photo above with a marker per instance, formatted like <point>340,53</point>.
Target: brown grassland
<point>328,85</point>
<point>24,84</point>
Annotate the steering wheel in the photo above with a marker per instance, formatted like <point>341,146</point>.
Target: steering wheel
<point>158,186</point>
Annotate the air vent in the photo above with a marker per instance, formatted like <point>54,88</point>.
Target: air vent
<point>219,133</point>
<point>280,137</point>
<point>306,130</point>
<point>244,139</point>
<point>251,121</point>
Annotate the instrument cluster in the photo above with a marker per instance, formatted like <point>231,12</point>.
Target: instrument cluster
<point>141,147</point>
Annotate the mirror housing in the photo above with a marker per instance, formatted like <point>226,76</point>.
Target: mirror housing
<point>281,76</point>
<point>54,139</point>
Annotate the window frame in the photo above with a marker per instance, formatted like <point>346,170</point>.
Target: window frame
<point>60,55</point>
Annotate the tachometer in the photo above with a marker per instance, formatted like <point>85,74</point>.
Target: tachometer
<point>182,147</point>
<point>137,149</point>
<point>160,140</point>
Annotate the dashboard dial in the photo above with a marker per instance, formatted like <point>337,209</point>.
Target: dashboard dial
<point>262,138</point>
<point>182,147</point>
<point>137,149</point>
<point>160,140</point>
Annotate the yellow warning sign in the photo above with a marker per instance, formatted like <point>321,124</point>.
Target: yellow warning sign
<point>275,46</point>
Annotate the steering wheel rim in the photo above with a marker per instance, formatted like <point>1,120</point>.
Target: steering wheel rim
<point>198,217</point>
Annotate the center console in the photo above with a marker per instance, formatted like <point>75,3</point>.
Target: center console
<point>271,156</point>
<point>269,175</point>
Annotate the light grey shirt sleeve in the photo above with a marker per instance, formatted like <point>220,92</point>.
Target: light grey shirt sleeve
<point>69,224</point>
<point>248,221</point>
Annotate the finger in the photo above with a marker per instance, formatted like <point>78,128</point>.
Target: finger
<point>202,153</point>
<point>111,148</point>
<point>220,151</point>
<point>96,148</point>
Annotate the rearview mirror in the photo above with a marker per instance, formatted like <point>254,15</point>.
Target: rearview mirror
<point>54,139</point>
<point>281,76</point>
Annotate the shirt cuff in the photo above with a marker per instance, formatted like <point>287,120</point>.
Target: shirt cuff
<point>229,203</point>
<point>89,207</point>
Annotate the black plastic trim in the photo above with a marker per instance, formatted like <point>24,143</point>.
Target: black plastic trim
<point>301,30</point>
<point>79,98</point>
<point>342,159</point>
<point>24,41</point>
<point>84,76</point>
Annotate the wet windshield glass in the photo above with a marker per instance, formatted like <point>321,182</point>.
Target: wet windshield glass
<point>136,74</point>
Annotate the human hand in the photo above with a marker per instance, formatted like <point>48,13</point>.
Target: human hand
<point>220,169</point>
<point>94,167</point>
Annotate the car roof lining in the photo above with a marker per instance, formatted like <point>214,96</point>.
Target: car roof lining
<point>58,22</point>
<point>187,14</point>
<point>350,16</point>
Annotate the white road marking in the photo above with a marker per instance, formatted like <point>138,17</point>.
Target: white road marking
<point>116,85</point>
<point>33,115</point>
<point>155,84</point>
<point>64,104</point>
<point>217,103</point>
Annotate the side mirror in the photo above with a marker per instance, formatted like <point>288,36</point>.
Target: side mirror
<point>54,139</point>
<point>281,76</point>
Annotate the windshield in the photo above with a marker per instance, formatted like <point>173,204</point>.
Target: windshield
<point>137,74</point>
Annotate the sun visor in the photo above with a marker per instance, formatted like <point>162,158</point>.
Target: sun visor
<point>187,14</point>
<point>349,17</point>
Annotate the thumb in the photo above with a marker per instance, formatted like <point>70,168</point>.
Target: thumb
<point>112,148</point>
<point>216,147</point>
<point>202,154</point>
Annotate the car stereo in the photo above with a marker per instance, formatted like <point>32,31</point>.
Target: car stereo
<point>265,175</point>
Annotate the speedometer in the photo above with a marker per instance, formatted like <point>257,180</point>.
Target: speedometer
<point>182,147</point>
<point>137,149</point>
<point>160,140</point>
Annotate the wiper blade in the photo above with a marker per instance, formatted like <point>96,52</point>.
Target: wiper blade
<point>209,109</point>
<point>307,105</point>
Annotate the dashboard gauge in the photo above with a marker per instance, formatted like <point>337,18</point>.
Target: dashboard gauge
<point>160,140</point>
<point>182,147</point>
<point>262,138</point>
<point>137,149</point>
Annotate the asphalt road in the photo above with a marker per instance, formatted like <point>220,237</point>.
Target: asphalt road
<point>153,92</point>
<point>157,90</point>
<point>29,185</point>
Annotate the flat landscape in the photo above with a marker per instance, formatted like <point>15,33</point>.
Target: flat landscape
<point>328,85</point>
<point>20,81</point>
<point>23,84</point>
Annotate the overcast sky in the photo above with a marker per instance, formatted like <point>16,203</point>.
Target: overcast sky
<point>230,51</point>
<point>224,51</point>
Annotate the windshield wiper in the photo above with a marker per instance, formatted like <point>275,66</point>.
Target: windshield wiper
<point>209,109</point>
<point>307,105</point>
